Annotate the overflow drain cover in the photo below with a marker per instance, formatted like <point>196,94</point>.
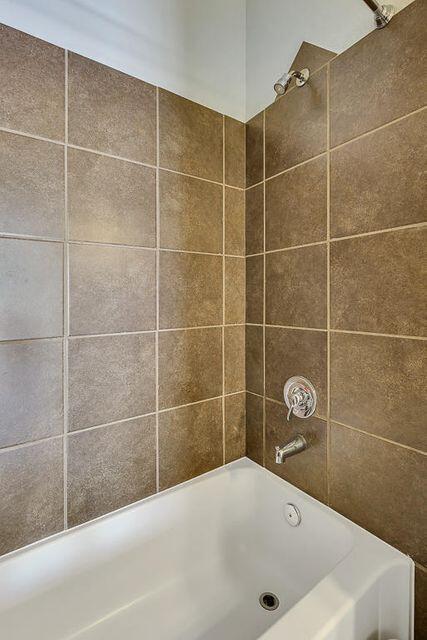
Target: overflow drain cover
<point>269,601</point>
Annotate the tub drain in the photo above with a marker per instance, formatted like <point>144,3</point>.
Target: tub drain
<point>269,601</point>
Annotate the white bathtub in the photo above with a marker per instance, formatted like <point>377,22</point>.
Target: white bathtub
<point>191,563</point>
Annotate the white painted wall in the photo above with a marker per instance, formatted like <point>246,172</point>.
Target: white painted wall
<point>195,48</point>
<point>224,54</point>
<point>275,30</point>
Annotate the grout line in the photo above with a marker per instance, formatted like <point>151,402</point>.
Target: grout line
<point>299,246</point>
<point>156,344</point>
<point>223,293</point>
<point>328,285</point>
<point>31,135</point>
<point>111,155</point>
<point>380,335</point>
<point>383,126</point>
<point>263,293</point>
<point>217,326</point>
<point>295,166</point>
<point>381,438</point>
<point>114,422</point>
<point>66,304</point>
<point>415,225</point>
<point>191,175</point>
<point>23,445</point>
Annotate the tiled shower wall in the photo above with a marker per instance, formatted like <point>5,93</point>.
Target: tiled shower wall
<point>122,295</point>
<point>335,282</point>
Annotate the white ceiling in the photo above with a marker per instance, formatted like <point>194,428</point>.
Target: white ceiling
<point>224,54</point>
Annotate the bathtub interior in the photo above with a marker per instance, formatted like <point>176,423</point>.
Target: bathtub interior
<point>188,564</point>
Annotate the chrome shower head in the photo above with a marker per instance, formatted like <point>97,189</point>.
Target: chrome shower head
<point>282,84</point>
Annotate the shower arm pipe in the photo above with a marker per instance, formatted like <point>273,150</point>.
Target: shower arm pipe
<point>383,13</point>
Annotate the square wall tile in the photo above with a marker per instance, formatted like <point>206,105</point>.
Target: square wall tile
<point>296,287</point>
<point>112,289</point>
<point>295,206</point>
<point>379,65</point>
<point>190,290</point>
<point>290,352</point>
<point>378,181</point>
<point>234,222</point>
<point>255,289</point>
<point>110,200</point>
<point>377,283</point>
<point>190,366</point>
<point>255,220</point>
<point>31,289</point>
<point>234,346</point>
<point>124,452</point>
<point>307,471</point>
<point>235,287</point>
<point>31,391</point>
<point>190,442</point>
<point>110,378</point>
<point>370,378</point>
<point>110,111</point>
<point>234,152</point>
<point>255,149</point>
<point>295,125</point>
<point>32,90</point>
<point>369,482</point>
<point>32,497</point>
<point>184,219</point>
<point>190,137</point>
<point>235,427</point>
<point>254,359</point>
<point>254,428</point>
<point>32,186</point>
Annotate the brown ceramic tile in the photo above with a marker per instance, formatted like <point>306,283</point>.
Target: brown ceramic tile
<point>112,289</point>
<point>370,378</point>
<point>234,345</point>
<point>254,359</point>
<point>190,290</point>
<point>378,181</point>
<point>373,68</point>
<point>31,503</point>
<point>369,481</point>
<point>420,603</point>
<point>184,204</point>
<point>30,391</point>
<point>290,352</point>
<point>234,222</point>
<point>254,427</point>
<point>255,289</point>
<point>110,111</point>
<point>296,287</point>
<point>32,186</point>
<point>255,220</point>
<point>311,56</point>
<point>235,430</point>
<point>255,149</point>
<point>295,126</point>
<point>32,90</point>
<point>295,206</point>
<point>110,467</point>
<point>377,283</point>
<point>190,366</point>
<point>306,471</point>
<point>190,137</point>
<point>111,200</point>
<point>190,442</point>
<point>110,378</point>
<point>235,290</point>
<point>234,152</point>
<point>31,289</point>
